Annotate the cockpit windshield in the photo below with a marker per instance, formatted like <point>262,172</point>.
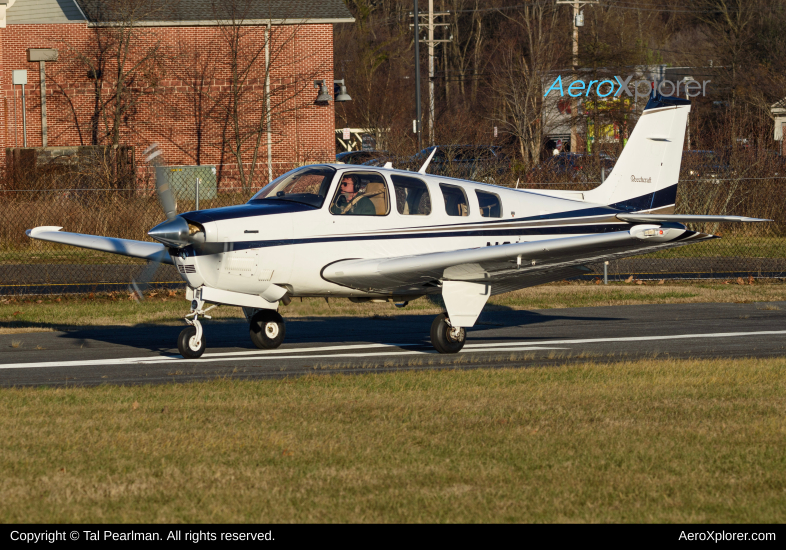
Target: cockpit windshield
<point>304,185</point>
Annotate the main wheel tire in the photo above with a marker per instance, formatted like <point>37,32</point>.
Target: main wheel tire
<point>267,329</point>
<point>447,339</point>
<point>187,344</point>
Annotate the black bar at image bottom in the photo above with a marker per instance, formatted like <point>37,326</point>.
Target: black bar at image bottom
<point>26,534</point>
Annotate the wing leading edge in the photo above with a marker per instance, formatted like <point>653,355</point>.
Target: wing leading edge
<point>504,267</point>
<point>155,252</point>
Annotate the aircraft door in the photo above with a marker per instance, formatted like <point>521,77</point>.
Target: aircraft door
<point>360,205</point>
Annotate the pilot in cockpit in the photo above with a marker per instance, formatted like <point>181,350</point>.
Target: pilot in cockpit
<point>351,200</point>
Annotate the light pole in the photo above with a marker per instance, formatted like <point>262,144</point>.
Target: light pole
<point>578,21</point>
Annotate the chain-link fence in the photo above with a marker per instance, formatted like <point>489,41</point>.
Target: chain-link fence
<point>33,267</point>
<point>30,266</point>
<point>743,183</point>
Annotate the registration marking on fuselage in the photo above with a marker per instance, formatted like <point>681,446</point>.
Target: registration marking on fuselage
<point>379,351</point>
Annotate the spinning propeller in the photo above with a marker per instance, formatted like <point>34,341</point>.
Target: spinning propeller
<point>175,232</point>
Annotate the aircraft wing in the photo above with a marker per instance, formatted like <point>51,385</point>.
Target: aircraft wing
<point>155,252</point>
<point>684,218</point>
<point>505,267</point>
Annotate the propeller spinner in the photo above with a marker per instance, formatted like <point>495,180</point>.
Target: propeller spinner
<point>175,231</point>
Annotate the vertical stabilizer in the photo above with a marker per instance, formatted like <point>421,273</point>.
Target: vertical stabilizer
<point>646,174</point>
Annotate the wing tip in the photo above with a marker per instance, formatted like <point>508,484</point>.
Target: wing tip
<point>42,229</point>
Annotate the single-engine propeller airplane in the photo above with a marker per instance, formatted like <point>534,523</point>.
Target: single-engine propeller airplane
<point>381,234</point>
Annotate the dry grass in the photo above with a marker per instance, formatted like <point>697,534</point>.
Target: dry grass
<point>24,330</point>
<point>29,314</point>
<point>652,441</point>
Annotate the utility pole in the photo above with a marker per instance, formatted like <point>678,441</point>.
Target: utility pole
<point>417,78</point>
<point>430,72</point>
<point>430,41</point>
<point>578,21</point>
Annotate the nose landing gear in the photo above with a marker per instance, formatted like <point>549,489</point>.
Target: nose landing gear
<point>191,342</point>
<point>445,337</point>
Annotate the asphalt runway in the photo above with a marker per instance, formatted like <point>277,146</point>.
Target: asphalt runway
<point>502,338</point>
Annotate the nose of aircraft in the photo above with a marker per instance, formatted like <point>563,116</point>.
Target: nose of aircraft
<point>173,233</point>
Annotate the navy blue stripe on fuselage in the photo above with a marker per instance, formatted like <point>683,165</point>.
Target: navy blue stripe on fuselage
<point>657,199</point>
<point>214,248</point>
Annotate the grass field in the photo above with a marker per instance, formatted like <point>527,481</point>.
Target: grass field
<point>25,314</point>
<point>652,441</point>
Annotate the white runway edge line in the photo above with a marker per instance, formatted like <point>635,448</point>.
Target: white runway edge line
<point>634,338</point>
<point>177,359</point>
<point>277,354</point>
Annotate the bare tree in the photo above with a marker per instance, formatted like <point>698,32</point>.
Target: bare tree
<point>521,74</point>
<point>122,59</point>
<point>195,68</point>
<point>374,56</point>
<point>256,106</point>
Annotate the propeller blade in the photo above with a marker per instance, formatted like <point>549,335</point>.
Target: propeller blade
<point>166,197</point>
<point>142,283</point>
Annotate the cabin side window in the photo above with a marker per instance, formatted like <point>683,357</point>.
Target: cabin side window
<point>456,203</point>
<point>490,205</point>
<point>412,196</point>
<point>361,194</point>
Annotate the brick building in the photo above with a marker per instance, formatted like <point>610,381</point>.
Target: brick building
<point>227,83</point>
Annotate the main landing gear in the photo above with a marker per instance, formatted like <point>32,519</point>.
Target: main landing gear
<point>267,329</point>
<point>445,337</point>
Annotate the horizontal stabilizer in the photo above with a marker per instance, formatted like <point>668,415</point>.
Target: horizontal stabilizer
<point>125,247</point>
<point>686,218</point>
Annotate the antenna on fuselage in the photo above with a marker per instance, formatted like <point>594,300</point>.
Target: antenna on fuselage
<point>428,160</point>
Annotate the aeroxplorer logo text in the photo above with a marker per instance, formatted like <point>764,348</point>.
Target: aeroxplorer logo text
<point>640,88</point>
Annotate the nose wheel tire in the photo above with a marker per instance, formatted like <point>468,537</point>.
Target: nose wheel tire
<point>188,345</point>
<point>445,338</point>
<point>267,329</point>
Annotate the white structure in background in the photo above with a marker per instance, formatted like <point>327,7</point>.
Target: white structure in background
<point>357,137</point>
<point>778,111</point>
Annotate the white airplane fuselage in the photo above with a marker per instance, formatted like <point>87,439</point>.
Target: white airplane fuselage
<point>251,246</point>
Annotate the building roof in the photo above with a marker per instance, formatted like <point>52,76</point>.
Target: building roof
<point>208,12</point>
<point>26,12</point>
<point>779,107</point>
<point>178,12</point>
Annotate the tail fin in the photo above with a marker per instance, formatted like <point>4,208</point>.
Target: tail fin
<point>646,174</point>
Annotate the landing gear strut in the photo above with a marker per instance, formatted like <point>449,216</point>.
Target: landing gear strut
<point>445,337</point>
<point>191,342</point>
<point>267,329</point>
